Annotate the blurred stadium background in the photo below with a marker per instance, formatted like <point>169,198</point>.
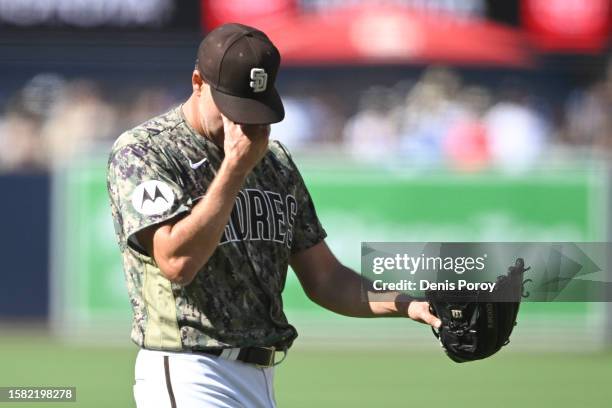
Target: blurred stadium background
<point>412,120</point>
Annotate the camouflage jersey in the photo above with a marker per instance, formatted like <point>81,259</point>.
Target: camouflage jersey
<point>158,171</point>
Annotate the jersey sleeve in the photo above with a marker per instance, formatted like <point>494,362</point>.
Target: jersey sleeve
<point>307,229</point>
<point>143,192</point>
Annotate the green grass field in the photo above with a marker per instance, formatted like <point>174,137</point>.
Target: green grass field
<point>325,378</point>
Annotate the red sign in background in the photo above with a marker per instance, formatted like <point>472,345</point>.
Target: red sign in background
<point>372,33</point>
<point>567,25</point>
<point>215,12</point>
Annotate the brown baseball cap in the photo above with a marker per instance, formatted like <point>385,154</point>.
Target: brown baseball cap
<point>240,64</point>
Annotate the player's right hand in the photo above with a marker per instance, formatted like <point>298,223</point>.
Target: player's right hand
<point>244,145</point>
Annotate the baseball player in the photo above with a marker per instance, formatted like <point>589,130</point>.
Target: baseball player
<point>209,213</point>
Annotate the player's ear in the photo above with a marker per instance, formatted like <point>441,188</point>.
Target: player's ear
<point>196,82</point>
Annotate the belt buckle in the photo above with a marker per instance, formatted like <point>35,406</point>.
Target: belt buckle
<point>270,362</point>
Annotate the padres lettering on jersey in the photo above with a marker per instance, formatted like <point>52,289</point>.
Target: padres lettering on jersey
<point>235,300</point>
<point>261,215</point>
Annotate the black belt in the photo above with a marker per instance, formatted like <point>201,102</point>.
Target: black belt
<point>260,356</point>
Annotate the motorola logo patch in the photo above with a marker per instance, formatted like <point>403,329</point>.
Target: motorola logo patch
<point>152,197</point>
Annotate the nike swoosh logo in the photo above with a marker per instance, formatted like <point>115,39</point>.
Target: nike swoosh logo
<point>197,164</point>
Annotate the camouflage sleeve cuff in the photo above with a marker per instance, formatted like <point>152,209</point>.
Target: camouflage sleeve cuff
<point>131,233</point>
<point>310,242</point>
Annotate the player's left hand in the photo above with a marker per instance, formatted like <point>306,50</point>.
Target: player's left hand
<point>419,312</point>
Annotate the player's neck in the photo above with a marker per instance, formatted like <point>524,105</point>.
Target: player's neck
<point>192,116</point>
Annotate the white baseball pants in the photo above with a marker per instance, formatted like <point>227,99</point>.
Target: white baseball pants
<point>185,380</point>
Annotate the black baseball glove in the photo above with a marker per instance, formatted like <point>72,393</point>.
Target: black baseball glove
<point>476,325</point>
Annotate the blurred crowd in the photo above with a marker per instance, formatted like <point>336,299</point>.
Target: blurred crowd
<point>52,120</point>
<point>440,120</point>
<point>435,119</point>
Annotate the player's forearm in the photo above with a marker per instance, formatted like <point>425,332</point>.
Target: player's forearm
<point>343,294</point>
<point>188,244</point>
